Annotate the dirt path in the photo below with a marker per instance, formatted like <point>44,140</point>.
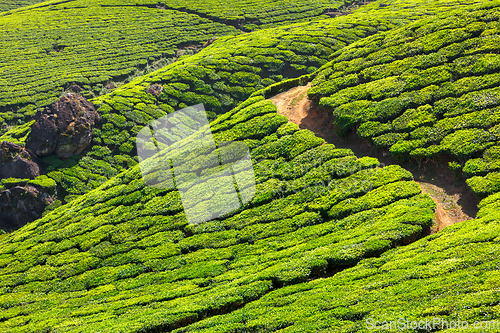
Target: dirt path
<point>455,202</point>
<point>295,105</point>
<point>448,210</point>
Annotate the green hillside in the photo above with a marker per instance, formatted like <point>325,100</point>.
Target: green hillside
<point>220,76</point>
<point>123,259</point>
<point>99,45</point>
<point>451,276</point>
<point>47,47</point>
<point>428,91</point>
<point>88,43</point>
<point>14,4</point>
<point>330,242</point>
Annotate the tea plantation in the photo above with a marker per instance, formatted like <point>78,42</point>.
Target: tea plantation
<point>9,5</point>
<point>449,277</point>
<point>122,258</point>
<point>250,15</point>
<point>47,47</point>
<point>100,44</point>
<point>220,76</point>
<point>428,91</point>
<point>330,241</point>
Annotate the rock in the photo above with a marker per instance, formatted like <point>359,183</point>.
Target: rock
<point>42,140</point>
<point>17,162</point>
<point>110,86</point>
<point>155,90</point>
<point>75,88</point>
<point>20,205</point>
<point>64,128</point>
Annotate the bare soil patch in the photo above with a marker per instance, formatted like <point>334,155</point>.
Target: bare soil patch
<point>295,105</point>
<point>448,210</point>
<point>455,202</point>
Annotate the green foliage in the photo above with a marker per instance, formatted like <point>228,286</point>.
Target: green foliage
<point>48,184</point>
<point>221,77</point>
<point>14,4</point>
<point>71,48</point>
<point>466,142</point>
<point>120,253</point>
<point>121,257</point>
<point>441,276</point>
<point>18,134</point>
<point>423,91</point>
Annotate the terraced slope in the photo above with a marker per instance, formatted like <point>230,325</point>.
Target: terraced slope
<point>48,46</point>
<point>451,276</point>
<point>232,68</point>
<point>122,258</point>
<point>221,76</point>
<point>9,5</point>
<point>428,91</point>
<point>250,15</point>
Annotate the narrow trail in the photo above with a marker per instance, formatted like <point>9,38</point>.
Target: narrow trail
<point>295,105</point>
<point>448,211</point>
<point>455,203</point>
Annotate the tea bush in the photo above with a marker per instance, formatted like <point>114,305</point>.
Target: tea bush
<point>425,91</point>
<point>123,256</point>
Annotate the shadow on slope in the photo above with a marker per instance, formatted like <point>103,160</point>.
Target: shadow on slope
<point>454,199</point>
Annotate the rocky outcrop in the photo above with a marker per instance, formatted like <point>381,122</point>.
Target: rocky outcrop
<point>64,128</point>
<point>155,90</point>
<point>110,86</point>
<point>17,162</point>
<point>42,140</point>
<point>75,88</point>
<point>20,205</point>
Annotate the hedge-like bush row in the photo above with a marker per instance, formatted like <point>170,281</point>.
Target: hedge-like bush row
<point>448,277</point>
<point>123,258</point>
<point>424,91</point>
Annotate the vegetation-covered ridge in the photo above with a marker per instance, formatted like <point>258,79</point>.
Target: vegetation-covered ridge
<point>48,46</point>
<point>122,257</point>
<point>220,76</point>
<point>448,277</point>
<point>425,91</point>
<point>14,4</point>
<point>329,240</point>
<point>98,45</point>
